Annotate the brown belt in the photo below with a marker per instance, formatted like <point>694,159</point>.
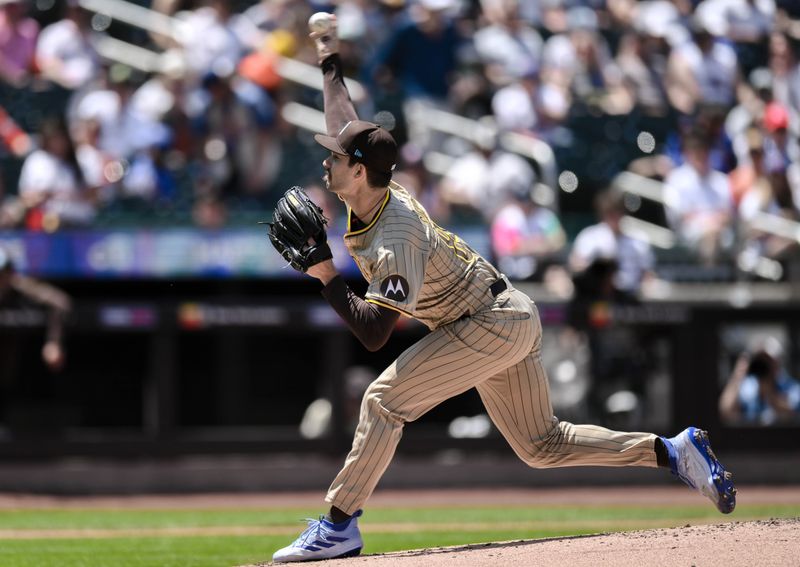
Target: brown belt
<point>498,287</point>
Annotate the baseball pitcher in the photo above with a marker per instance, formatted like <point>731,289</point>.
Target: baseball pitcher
<point>484,333</point>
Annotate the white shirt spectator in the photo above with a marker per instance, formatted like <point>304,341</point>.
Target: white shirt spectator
<point>759,200</point>
<point>483,182</point>
<point>209,45</point>
<point>714,72</point>
<point>92,163</point>
<point>689,196</point>
<point>513,108</point>
<point>43,173</point>
<point>508,173</point>
<point>514,53</point>
<point>559,53</point>
<point>466,179</point>
<point>153,100</point>
<point>743,20</point>
<point>126,129</point>
<point>102,105</point>
<point>65,55</point>
<point>633,255</point>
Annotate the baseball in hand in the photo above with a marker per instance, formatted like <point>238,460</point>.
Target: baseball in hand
<point>320,22</point>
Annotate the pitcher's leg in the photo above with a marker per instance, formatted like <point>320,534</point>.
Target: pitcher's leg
<point>443,364</point>
<point>518,401</point>
<point>377,435</point>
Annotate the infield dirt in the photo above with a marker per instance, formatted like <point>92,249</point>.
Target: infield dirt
<point>765,543</point>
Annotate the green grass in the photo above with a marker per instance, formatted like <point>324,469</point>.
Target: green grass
<point>123,518</point>
<point>139,552</point>
<point>224,551</point>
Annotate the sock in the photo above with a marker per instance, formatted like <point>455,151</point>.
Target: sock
<point>662,454</point>
<point>337,516</point>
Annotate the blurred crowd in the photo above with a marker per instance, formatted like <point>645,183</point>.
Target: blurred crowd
<point>188,123</point>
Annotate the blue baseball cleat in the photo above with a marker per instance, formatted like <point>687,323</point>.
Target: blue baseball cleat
<point>692,460</point>
<point>323,539</point>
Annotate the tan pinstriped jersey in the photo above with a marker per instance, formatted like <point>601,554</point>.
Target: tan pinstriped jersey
<point>416,267</point>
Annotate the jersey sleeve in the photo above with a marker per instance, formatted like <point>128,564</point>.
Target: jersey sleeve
<point>397,276</point>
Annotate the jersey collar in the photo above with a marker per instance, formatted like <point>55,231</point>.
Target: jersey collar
<point>372,222</point>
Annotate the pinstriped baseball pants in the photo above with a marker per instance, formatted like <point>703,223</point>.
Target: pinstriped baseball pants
<point>496,351</point>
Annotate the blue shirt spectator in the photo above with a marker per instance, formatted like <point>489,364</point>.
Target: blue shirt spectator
<point>422,53</point>
<point>755,407</point>
<point>760,392</point>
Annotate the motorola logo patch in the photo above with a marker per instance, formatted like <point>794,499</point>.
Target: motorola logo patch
<point>395,288</point>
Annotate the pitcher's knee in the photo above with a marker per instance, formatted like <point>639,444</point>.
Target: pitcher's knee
<point>543,452</point>
<point>373,404</point>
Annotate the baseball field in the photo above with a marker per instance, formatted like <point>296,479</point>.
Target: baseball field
<point>244,529</point>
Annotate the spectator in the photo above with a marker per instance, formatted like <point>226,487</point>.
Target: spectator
<point>22,292</point>
<point>528,106</point>
<point>466,179</point>
<point>519,105</point>
<point>421,183</point>
<point>51,183</point>
<point>710,120</point>
<point>148,180</point>
<point>127,128</point>
<point>754,97</point>
<point>480,180</point>
<point>232,118</point>
<point>422,53</point>
<point>633,258</point>
<point>381,16</point>
<point>783,64</point>
<point>748,23</point>
<point>162,99</point>
<point>780,151</point>
<point>642,59</point>
<point>65,52</point>
<point>702,69</point>
<point>525,236</point>
<point>99,168</point>
<point>768,192</point>
<point>507,46</point>
<point>750,176</point>
<point>580,64</point>
<point>698,201</point>
<point>759,391</point>
<point>210,44</point>
<point>18,35</point>
<point>252,26</point>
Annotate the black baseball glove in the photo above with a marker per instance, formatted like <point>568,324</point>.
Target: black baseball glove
<point>297,230</point>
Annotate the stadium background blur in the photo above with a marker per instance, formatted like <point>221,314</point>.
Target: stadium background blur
<point>634,166</point>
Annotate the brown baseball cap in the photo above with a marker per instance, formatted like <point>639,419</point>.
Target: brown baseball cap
<point>367,142</point>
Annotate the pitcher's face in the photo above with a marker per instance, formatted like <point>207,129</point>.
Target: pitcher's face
<point>338,173</point>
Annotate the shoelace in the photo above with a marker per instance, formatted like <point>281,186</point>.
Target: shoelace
<point>314,527</point>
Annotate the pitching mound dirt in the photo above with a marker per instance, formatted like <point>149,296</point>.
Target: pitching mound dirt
<point>767,543</point>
